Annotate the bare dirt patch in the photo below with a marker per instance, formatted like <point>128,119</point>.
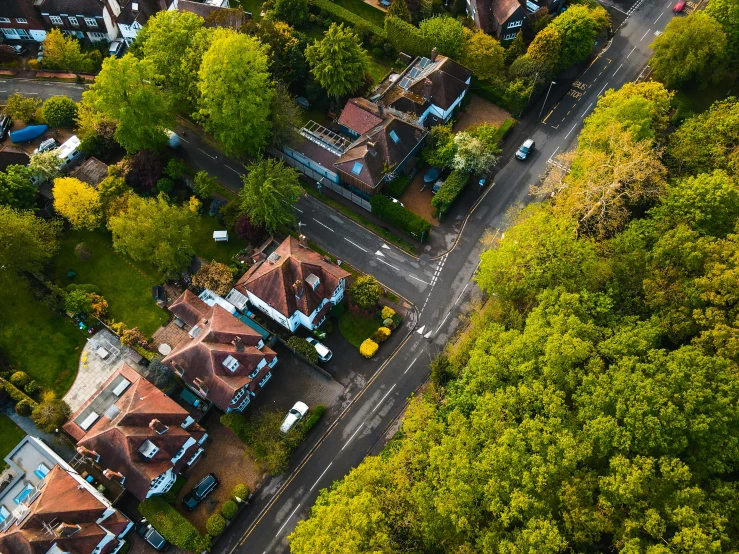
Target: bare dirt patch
<point>479,111</point>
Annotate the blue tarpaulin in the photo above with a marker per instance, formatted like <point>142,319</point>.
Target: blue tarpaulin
<point>28,133</point>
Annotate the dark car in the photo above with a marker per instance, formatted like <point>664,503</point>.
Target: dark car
<point>5,124</point>
<point>206,486</point>
<point>151,535</point>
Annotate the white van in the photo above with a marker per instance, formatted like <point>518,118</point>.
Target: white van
<point>69,153</point>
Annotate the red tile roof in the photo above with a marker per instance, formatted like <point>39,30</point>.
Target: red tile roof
<point>118,440</point>
<point>201,357</point>
<point>274,283</point>
<point>63,500</point>
<point>360,115</point>
<point>189,308</point>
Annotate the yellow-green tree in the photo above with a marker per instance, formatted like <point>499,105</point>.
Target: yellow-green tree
<point>483,54</point>
<point>78,202</point>
<point>62,51</point>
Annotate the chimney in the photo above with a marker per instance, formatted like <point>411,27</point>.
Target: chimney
<point>114,476</point>
<point>298,286</point>
<point>380,110</point>
<point>204,322</point>
<point>134,7</point>
<point>65,530</point>
<point>427,88</point>
<point>198,382</point>
<point>238,344</point>
<point>87,452</point>
<point>434,53</point>
<point>371,147</point>
<point>158,426</point>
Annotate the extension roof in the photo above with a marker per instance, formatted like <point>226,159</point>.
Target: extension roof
<point>360,115</point>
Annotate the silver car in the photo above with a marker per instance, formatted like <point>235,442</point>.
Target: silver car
<point>526,148</point>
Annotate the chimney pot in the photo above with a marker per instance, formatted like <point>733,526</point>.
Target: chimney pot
<point>238,344</point>
<point>434,53</point>
<point>298,286</point>
<point>87,452</point>
<point>113,475</point>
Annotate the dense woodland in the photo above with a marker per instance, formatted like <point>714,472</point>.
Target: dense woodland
<point>593,403</point>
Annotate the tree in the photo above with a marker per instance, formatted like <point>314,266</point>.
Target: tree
<point>46,164</point>
<point>22,107</point>
<point>78,302</point>
<point>27,242</point>
<point>111,188</point>
<point>204,185</point>
<point>726,12</point>
<point>174,42</point>
<point>365,292</point>
<point>476,153</point>
<point>245,230</point>
<point>440,147</point>
<point>59,111</point>
<point>286,51</point>
<point>51,413</point>
<point>577,28</point>
<point>78,202</point>
<point>338,62</point>
<point>444,33</point>
<point>516,49</point>
<point>270,190</point>
<point>399,9</point>
<point>160,375</point>
<point>124,92</point>
<point>96,132</point>
<point>63,52</point>
<point>691,48</point>
<point>545,50</point>
<point>286,116</point>
<point>155,231</point>
<point>16,189</point>
<point>292,12</point>
<point>483,55</point>
<point>214,276</point>
<point>145,168</point>
<point>236,92</point>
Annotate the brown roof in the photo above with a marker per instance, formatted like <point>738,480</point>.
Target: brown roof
<point>504,9</point>
<point>63,500</point>
<point>119,439</point>
<point>189,308</point>
<point>92,172</point>
<point>386,154</point>
<point>274,283</point>
<point>202,356</point>
<point>360,115</point>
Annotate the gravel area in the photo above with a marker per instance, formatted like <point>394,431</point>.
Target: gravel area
<point>479,111</point>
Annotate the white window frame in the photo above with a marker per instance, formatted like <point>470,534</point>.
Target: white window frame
<point>97,36</point>
<point>73,21</point>
<point>4,20</point>
<point>510,36</point>
<point>91,22</point>
<point>515,24</point>
<point>23,34</point>
<point>9,33</point>
<point>56,20</point>
<point>21,21</point>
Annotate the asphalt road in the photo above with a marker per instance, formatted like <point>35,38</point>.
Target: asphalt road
<point>41,89</point>
<point>440,287</point>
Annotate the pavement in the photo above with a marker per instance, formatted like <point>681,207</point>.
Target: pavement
<point>439,284</point>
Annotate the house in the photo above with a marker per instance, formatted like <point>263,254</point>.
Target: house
<point>141,437</point>
<point>90,19</point>
<point>428,90</point>
<point>47,507</point>
<point>380,154</point>
<point>223,360</point>
<point>505,18</point>
<point>294,286</point>
<point>359,116</point>
<point>19,20</point>
<point>131,15</point>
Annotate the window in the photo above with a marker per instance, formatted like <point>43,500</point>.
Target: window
<point>515,24</point>
<point>55,20</point>
<point>231,363</point>
<point>510,36</point>
<point>91,22</point>
<point>4,20</point>
<point>21,20</point>
<point>98,36</point>
<point>357,169</point>
<point>73,21</point>
<point>22,33</point>
<point>395,137</point>
<point>10,33</point>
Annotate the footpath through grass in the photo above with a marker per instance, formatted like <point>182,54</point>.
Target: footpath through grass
<point>44,344</point>
<point>10,436</point>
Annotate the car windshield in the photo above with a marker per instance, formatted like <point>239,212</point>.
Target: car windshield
<point>524,149</point>
<point>295,412</point>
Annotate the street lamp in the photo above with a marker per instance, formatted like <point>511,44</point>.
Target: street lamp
<point>547,98</point>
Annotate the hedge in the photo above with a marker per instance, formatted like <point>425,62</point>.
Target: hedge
<point>397,216</point>
<point>397,186</point>
<point>342,15</point>
<point>368,348</point>
<point>215,525</point>
<point>230,509</point>
<point>236,423</point>
<point>449,191</point>
<point>406,37</point>
<point>170,523</point>
<point>303,348</point>
<point>240,491</point>
<point>313,418</point>
<point>16,394</point>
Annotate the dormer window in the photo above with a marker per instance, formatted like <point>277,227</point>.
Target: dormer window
<point>148,449</point>
<point>231,363</point>
<point>313,281</point>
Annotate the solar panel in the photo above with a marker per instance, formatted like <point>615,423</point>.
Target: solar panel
<point>415,72</point>
<point>405,83</point>
<point>423,62</point>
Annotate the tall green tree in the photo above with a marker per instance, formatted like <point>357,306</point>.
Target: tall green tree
<point>338,61</point>
<point>292,12</point>
<point>270,191</point>
<point>236,92</point>
<point>445,33</point>
<point>692,49</point>
<point>399,8</point>
<point>16,189</point>
<point>124,91</point>
<point>62,51</point>
<point>577,28</point>
<point>59,111</point>
<point>155,231</point>
<point>546,50</point>
<point>483,55</point>
<point>27,242</point>
<point>726,12</point>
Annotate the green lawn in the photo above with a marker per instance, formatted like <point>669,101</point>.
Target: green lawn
<point>10,436</point>
<point>125,284</point>
<point>371,14</point>
<point>378,70</point>
<point>356,327</point>
<point>44,344</point>
<point>208,249</point>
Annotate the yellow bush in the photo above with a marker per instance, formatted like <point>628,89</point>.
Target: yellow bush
<point>368,348</point>
<point>381,335</point>
<point>387,313</point>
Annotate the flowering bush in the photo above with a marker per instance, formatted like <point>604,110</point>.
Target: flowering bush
<point>387,313</point>
<point>368,348</point>
<point>381,335</point>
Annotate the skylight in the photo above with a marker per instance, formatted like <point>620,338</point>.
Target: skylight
<point>395,137</point>
<point>357,169</point>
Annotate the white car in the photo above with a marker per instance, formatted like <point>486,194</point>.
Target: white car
<point>296,413</point>
<point>324,354</point>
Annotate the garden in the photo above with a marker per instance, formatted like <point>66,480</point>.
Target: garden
<point>10,436</point>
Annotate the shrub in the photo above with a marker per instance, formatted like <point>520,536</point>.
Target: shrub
<point>397,216</point>
<point>240,492</point>
<point>204,185</point>
<point>406,37</point>
<point>365,292</point>
<point>59,111</point>
<point>368,348</point>
<point>229,509</point>
<point>170,523</point>
<point>397,186</point>
<point>82,251</point>
<point>236,423</point>
<point>246,230</point>
<point>78,302</point>
<point>20,379</point>
<point>32,387</point>
<point>303,348</point>
<point>15,393</point>
<point>215,525</point>
<point>342,15</point>
<point>381,335</point>
<point>22,107</point>
<point>338,310</point>
<point>389,323</point>
<point>449,191</point>
<point>34,64</point>
<point>313,418</point>
<point>165,185</point>
<point>387,312</point>
<point>23,408</point>
<point>51,413</point>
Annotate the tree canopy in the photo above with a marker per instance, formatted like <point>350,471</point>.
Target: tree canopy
<point>338,61</point>
<point>27,242</point>
<point>483,55</point>
<point>78,202</point>
<point>270,191</point>
<point>16,188</point>
<point>59,111</point>
<point>726,12</point>
<point>444,33</point>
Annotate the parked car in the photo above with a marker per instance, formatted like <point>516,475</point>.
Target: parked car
<point>5,124</point>
<point>526,148</point>
<point>19,49</point>
<point>679,7</point>
<point>324,354</point>
<point>45,146</point>
<point>151,535</point>
<point>431,175</point>
<point>437,186</point>
<point>296,413</point>
<point>206,486</point>
<point>117,47</point>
